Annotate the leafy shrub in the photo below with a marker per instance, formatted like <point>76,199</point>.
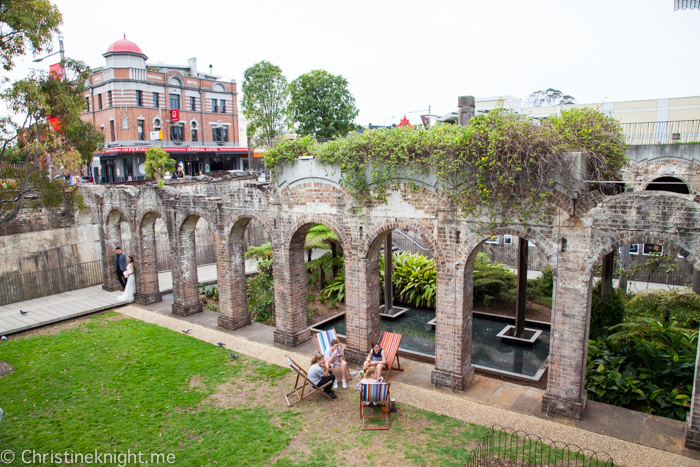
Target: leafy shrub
<point>681,307</point>
<point>414,279</point>
<point>493,282</point>
<point>604,315</point>
<point>335,292</point>
<point>261,293</point>
<point>639,374</point>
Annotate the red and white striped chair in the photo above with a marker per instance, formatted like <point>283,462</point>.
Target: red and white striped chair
<point>376,394</point>
<point>390,344</point>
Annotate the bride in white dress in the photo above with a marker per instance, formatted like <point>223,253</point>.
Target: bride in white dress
<point>130,289</point>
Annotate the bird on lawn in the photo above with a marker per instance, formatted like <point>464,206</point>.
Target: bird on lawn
<point>4,338</point>
<point>233,355</point>
<point>220,344</point>
<point>23,312</point>
<point>186,331</point>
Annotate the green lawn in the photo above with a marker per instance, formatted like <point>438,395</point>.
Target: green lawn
<point>116,384</point>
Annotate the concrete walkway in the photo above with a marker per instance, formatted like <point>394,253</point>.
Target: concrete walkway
<point>68,305</point>
<point>631,438</point>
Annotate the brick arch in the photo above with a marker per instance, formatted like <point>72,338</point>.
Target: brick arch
<point>470,250</point>
<point>646,171</point>
<point>370,240</point>
<point>111,217</point>
<point>194,212</point>
<point>420,197</point>
<point>614,241</point>
<point>150,214</point>
<point>325,219</point>
<point>265,221</point>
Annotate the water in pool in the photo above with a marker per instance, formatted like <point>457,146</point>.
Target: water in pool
<point>487,349</point>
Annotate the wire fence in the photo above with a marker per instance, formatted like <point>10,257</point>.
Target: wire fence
<point>684,131</point>
<point>37,284</point>
<point>506,447</point>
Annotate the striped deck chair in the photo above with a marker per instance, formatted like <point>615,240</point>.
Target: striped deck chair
<point>390,343</point>
<point>377,393</point>
<point>301,385</point>
<point>323,340</point>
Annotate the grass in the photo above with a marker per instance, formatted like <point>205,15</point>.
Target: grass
<point>117,384</point>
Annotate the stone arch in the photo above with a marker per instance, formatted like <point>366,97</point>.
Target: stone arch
<point>146,264</point>
<point>671,184</point>
<point>370,242</point>
<point>614,241</point>
<point>85,216</point>
<point>320,191</point>
<point>308,220</point>
<point>235,229</point>
<point>112,238</point>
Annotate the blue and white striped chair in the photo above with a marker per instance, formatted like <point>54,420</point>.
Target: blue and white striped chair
<point>378,395</point>
<point>323,340</point>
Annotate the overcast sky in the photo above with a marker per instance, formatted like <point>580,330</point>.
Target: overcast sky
<point>402,56</point>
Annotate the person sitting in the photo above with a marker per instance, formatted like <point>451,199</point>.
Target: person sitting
<point>376,359</point>
<point>320,374</point>
<point>334,359</point>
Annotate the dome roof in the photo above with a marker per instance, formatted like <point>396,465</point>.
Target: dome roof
<point>124,45</point>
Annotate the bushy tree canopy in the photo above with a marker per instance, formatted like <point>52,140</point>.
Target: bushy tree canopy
<point>264,102</point>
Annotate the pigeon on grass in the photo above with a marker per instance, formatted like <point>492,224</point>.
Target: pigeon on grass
<point>234,356</point>
<point>220,344</point>
<point>186,331</point>
<point>4,338</point>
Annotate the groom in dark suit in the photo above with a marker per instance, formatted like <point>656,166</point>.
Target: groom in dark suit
<point>120,266</point>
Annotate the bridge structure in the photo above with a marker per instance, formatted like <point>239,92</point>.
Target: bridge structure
<point>584,228</point>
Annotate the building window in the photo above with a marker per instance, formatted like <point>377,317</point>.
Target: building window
<point>176,132</point>
<point>220,134</point>
<point>111,130</point>
<point>223,106</point>
<point>139,98</point>
<point>87,100</point>
<point>99,101</point>
<point>507,240</point>
<point>493,239</point>
<point>156,100</point>
<point>193,103</point>
<point>109,99</point>
<point>174,101</point>
<point>214,103</point>
<point>194,134</point>
<point>142,137</point>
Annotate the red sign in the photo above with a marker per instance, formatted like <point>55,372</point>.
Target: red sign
<point>174,115</point>
<point>55,71</point>
<point>180,150</point>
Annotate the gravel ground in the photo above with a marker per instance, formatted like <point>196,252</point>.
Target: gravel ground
<point>442,401</point>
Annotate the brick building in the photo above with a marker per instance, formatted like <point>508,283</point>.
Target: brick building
<point>128,99</point>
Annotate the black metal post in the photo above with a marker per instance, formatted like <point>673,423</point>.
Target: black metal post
<point>388,277</point>
<point>521,296</point>
<point>607,276</point>
<point>624,264</point>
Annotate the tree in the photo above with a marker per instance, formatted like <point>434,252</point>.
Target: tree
<point>264,102</point>
<point>321,105</point>
<point>158,162</point>
<point>26,24</point>
<point>549,98</point>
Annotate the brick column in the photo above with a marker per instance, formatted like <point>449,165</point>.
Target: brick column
<point>361,305</point>
<point>146,262</point>
<point>692,423</point>
<point>568,348</point>
<point>453,330</point>
<point>110,238</point>
<point>290,292</point>
<point>184,270</point>
<point>230,270</point>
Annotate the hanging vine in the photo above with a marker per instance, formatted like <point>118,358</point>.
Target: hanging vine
<point>504,164</point>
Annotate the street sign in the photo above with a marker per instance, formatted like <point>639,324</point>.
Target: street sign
<point>155,135</point>
<point>174,115</point>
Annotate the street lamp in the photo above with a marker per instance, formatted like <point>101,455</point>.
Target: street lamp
<point>384,125</point>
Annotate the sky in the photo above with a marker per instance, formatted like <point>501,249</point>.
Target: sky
<point>400,58</point>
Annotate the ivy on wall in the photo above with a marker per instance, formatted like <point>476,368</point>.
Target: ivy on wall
<point>504,164</point>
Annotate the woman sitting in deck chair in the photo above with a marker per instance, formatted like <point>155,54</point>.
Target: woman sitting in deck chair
<point>320,375</point>
<point>375,358</point>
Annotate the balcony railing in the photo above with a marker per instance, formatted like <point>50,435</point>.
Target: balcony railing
<point>682,131</point>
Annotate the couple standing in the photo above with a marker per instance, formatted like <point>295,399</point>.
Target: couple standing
<point>124,269</point>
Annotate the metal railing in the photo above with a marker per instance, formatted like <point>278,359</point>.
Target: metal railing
<point>508,255</point>
<point>517,448</point>
<point>31,285</point>
<point>206,254</point>
<point>682,131</point>
<point>405,241</point>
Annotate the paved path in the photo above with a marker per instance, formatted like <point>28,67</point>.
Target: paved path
<point>256,341</point>
<point>68,305</point>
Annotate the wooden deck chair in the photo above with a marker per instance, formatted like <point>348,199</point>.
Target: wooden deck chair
<point>323,340</point>
<point>390,344</point>
<point>3,441</point>
<point>302,385</point>
<point>378,394</point>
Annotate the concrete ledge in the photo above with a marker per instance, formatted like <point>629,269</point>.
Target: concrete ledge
<point>445,379</point>
<point>147,299</point>
<point>552,405</point>
<point>186,310</point>
<point>291,340</point>
<point>227,322</point>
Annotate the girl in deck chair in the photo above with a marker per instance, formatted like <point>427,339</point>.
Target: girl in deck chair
<point>375,358</point>
<point>319,374</point>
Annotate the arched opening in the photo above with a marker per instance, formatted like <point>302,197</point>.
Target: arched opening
<point>304,277</point>
<point>86,217</point>
<point>117,233</point>
<point>147,259</point>
<point>193,263</point>
<point>508,289</point>
<point>670,184</point>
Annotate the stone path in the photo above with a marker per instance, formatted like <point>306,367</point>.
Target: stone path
<point>251,341</point>
<point>68,305</point>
